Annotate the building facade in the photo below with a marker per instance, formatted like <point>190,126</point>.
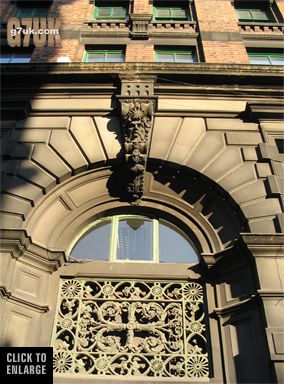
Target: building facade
<point>142,190</point>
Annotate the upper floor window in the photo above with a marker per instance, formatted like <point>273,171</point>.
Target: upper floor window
<point>170,12</point>
<point>31,9</point>
<point>175,56</point>
<point>107,10</point>
<point>30,12</point>
<point>15,57</point>
<point>266,58</point>
<point>134,238</point>
<point>103,56</point>
<point>254,11</point>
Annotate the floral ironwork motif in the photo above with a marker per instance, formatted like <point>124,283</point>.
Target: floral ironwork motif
<point>130,328</point>
<point>136,123</point>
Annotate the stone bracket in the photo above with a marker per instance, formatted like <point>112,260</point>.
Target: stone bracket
<point>137,121</point>
<point>140,25</point>
<point>137,109</point>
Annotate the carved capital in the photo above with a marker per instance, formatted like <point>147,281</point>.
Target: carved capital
<point>136,127</point>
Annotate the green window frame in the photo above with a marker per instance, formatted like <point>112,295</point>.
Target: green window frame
<point>15,58</point>
<point>178,56</point>
<point>255,14</point>
<point>155,253</point>
<point>174,13</point>
<point>104,56</point>
<point>31,12</point>
<point>263,58</point>
<point>110,12</point>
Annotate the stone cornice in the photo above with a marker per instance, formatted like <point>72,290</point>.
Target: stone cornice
<point>264,245</point>
<point>81,69</point>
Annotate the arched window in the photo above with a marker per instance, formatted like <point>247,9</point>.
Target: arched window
<point>134,238</point>
<point>143,324</point>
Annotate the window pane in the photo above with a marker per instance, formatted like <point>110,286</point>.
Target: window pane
<point>135,240</point>
<point>5,58</point>
<point>163,12</point>
<point>24,12</point>
<point>40,12</point>
<point>183,58</point>
<point>21,58</point>
<point>115,57</point>
<point>179,12</point>
<point>104,12</point>
<point>259,60</point>
<point>259,14</point>
<point>174,247</point>
<point>244,14</point>
<point>96,57</point>
<point>119,12</point>
<point>95,243</point>
<point>165,57</point>
<point>277,60</point>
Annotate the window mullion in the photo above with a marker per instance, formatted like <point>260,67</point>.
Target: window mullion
<point>114,237</point>
<point>155,241</point>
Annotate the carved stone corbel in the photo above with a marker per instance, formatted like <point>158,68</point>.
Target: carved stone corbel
<point>137,116</point>
<point>137,102</point>
<point>140,25</point>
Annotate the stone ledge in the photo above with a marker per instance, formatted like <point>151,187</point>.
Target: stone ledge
<point>145,68</point>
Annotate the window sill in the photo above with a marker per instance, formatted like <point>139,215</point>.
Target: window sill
<point>261,23</point>
<point>165,21</point>
<point>275,28</point>
<point>185,26</point>
<point>105,24</point>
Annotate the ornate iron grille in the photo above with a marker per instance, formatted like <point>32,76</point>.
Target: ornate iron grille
<point>117,327</point>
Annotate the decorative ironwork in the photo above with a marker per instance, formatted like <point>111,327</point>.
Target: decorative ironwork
<point>130,328</point>
<point>136,123</point>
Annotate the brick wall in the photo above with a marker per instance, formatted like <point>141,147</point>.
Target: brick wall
<point>141,6</point>
<point>280,6</point>
<point>69,47</point>
<point>5,9</point>
<point>225,52</point>
<point>220,37</point>
<point>71,12</point>
<point>138,52</point>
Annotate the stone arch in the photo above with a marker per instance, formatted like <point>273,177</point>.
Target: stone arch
<point>182,194</point>
<point>50,150</point>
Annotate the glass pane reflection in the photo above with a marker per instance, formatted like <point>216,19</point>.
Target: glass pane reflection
<point>174,247</point>
<point>135,239</point>
<point>95,244</point>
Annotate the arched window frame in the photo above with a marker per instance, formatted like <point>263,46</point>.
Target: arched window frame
<point>114,221</point>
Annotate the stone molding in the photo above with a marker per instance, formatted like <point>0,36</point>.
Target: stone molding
<point>20,245</point>
<point>8,295</point>
<point>208,69</point>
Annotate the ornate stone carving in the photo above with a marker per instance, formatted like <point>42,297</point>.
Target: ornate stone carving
<point>139,25</point>
<point>130,328</point>
<point>136,124</point>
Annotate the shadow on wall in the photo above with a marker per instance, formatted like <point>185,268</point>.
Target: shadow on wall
<point>205,195</point>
